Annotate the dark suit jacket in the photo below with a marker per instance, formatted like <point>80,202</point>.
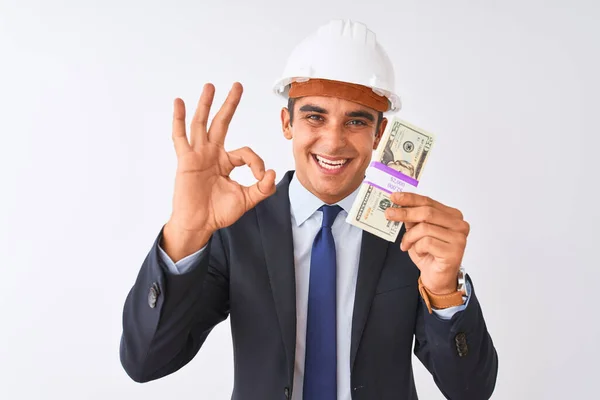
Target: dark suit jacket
<point>248,274</point>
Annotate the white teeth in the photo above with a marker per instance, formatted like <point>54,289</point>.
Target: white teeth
<point>330,164</point>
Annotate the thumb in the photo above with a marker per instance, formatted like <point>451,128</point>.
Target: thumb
<point>261,189</point>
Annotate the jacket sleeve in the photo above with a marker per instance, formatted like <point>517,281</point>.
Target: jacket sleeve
<point>459,353</point>
<point>167,317</point>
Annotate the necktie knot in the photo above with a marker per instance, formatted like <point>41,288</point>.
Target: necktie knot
<point>329,214</point>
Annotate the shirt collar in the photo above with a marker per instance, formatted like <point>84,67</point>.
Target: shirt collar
<point>303,203</point>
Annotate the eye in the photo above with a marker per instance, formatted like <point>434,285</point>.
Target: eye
<point>357,122</point>
<point>314,117</point>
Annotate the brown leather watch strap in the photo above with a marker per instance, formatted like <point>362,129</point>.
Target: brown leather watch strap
<point>440,301</point>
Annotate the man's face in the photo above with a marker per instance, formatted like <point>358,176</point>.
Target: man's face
<point>332,140</point>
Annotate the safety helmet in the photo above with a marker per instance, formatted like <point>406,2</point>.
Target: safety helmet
<point>341,50</point>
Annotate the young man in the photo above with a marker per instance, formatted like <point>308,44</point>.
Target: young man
<point>319,309</point>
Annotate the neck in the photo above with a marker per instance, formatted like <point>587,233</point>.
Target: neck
<point>329,198</point>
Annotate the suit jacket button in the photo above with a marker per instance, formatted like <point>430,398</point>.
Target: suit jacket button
<point>461,344</point>
<point>153,295</point>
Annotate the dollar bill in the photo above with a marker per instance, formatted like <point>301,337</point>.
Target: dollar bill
<point>405,148</point>
<point>403,151</point>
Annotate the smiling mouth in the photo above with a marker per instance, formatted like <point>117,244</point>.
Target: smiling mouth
<point>331,164</point>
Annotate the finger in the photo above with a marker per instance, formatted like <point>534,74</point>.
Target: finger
<point>220,124</point>
<point>424,229</point>
<point>247,156</point>
<point>426,214</point>
<point>435,247</point>
<point>200,121</point>
<point>409,225</point>
<point>408,199</point>
<point>260,190</point>
<point>178,133</point>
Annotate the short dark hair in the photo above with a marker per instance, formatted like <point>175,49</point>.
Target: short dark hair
<point>292,103</point>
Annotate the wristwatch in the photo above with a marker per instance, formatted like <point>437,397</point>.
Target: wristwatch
<point>441,302</point>
<point>462,281</point>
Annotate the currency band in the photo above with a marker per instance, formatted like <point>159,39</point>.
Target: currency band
<point>388,179</point>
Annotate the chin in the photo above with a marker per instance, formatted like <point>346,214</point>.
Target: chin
<point>332,187</point>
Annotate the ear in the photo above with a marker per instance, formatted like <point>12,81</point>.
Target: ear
<point>285,123</point>
<point>379,133</point>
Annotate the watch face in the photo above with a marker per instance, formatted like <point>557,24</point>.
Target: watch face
<point>462,282</point>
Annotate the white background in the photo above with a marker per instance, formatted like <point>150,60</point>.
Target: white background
<point>87,165</point>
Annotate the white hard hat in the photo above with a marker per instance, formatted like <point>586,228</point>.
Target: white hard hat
<point>345,51</point>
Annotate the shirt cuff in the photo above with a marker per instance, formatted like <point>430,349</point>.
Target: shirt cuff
<point>182,266</point>
<point>448,313</point>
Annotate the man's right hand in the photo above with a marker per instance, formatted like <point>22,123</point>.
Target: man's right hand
<point>206,198</point>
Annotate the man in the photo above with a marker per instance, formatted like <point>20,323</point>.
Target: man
<point>319,309</point>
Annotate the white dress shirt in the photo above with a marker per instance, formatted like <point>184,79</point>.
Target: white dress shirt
<point>306,222</point>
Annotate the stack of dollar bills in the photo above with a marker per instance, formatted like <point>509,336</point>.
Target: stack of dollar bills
<point>396,166</point>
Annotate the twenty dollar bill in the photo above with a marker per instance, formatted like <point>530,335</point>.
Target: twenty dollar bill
<point>397,165</point>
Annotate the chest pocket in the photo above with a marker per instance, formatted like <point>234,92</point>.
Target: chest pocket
<point>397,275</point>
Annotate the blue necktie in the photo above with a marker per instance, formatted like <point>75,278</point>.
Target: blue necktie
<point>320,365</point>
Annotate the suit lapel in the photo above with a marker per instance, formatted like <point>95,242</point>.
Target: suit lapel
<point>274,223</point>
<point>372,256</point>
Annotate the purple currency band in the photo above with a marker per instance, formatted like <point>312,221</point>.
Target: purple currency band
<point>377,186</point>
<point>390,171</point>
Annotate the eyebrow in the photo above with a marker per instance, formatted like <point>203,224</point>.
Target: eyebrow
<point>351,114</point>
<point>361,114</point>
<point>313,108</point>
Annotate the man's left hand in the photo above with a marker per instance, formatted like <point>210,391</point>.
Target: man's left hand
<point>435,238</point>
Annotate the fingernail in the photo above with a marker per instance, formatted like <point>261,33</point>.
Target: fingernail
<point>398,196</point>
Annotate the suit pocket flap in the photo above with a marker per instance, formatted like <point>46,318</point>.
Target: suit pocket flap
<point>382,288</point>
<point>397,276</point>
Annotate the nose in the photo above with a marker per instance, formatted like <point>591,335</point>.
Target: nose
<point>334,136</point>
